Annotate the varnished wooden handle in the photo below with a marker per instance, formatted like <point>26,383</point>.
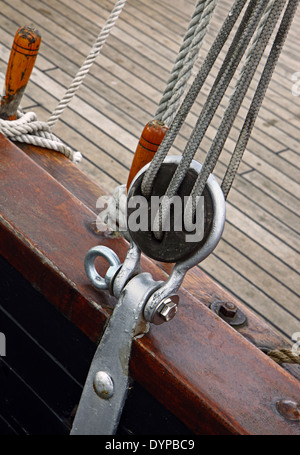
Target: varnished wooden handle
<point>150,140</point>
<point>21,61</point>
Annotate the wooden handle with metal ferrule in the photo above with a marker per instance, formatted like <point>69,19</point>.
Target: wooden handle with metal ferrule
<point>149,142</point>
<point>21,62</point>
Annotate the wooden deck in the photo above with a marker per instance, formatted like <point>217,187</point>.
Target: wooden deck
<point>257,259</point>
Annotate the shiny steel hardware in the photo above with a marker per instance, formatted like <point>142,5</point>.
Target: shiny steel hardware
<point>141,301</point>
<point>177,243</point>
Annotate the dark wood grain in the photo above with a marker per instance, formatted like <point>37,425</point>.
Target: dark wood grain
<point>197,282</point>
<point>203,370</point>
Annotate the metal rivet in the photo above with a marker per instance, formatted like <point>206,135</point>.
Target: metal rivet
<point>103,385</point>
<point>289,409</point>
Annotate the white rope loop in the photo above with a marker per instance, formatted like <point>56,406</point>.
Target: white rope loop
<point>256,49</point>
<point>27,129</point>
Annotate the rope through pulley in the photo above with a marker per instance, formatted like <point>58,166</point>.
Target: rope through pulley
<point>180,74</point>
<point>251,38</point>
<point>187,55</point>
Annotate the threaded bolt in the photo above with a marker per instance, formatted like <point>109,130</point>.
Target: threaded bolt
<point>166,310</point>
<point>228,309</point>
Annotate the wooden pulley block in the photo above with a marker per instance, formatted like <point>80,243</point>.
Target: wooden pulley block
<point>179,242</point>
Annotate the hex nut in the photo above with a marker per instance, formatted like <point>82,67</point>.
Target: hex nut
<point>166,310</point>
<point>228,309</point>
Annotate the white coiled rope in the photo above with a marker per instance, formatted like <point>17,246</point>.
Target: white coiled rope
<point>31,131</point>
<point>27,129</point>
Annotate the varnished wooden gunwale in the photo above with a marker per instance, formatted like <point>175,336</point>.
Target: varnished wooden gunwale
<point>209,375</point>
<point>257,259</point>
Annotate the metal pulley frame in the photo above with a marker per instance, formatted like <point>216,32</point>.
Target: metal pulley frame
<point>141,301</point>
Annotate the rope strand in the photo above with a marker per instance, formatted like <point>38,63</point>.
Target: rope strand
<point>258,97</point>
<point>191,96</point>
<point>256,28</point>
<point>284,356</point>
<point>185,60</point>
<point>253,57</point>
<point>226,73</point>
<point>86,66</point>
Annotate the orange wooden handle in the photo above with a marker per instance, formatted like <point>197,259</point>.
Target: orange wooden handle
<point>150,140</point>
<point>21,61</point>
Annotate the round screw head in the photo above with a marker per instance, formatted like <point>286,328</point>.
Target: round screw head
<point>289,409</point>
<point>103,385</point>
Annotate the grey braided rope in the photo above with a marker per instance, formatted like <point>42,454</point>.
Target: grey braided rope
<point>236,51</point>
<point>256,50</point>
<point>83,71</point>
<point>191,96</point>
<point>185,60</point>
<point>258,97</point>
<point>179,62</point>
<point>226,73</point>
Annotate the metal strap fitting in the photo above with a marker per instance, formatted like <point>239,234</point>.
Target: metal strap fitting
<point>141,301</point>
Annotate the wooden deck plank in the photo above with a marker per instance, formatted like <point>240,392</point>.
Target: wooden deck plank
<point>273,189</point>
<point>231,280</point>
<point>273,174</point>
<point>267,203</point>
<point>291,156</point>
<point>265,259</point>
<point>265,219</point>
<point>121,95</point>
<point>263,237</point>
<point>278,292</point>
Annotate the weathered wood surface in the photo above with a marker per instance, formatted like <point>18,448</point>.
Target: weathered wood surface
<point>209,375</point>
<point>197,282</point>
<point>257,259</point>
